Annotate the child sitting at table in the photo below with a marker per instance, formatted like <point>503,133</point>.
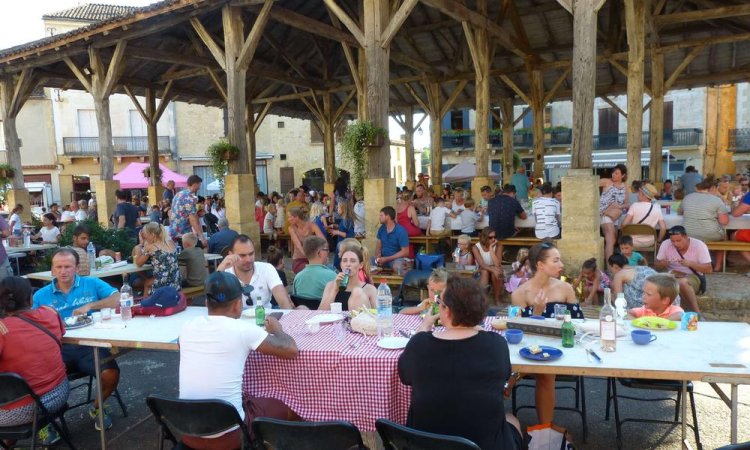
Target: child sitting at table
<point>659,293</point>
<point>276,259</point>
<point>435,287</point>
<point>469,218</point>
<point>594,282</point>
<point>521,270</point>
<point>462,255</point>
<point>626,248</point>
<point>438,219</point>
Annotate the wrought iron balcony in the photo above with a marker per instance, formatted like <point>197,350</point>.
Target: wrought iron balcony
<point>739,140</point>
<point>680,137</point>
<point>123,146</point>
<point>521,139</point>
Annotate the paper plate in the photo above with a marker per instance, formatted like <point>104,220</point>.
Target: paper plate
<point>325,318</point>
<point>654,323</point>
<point>393,343</point>
<point>551,352</point>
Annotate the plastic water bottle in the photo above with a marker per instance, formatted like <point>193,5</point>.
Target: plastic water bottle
<point>621,308</point>
<point>91,252</point>
<point>385,310</point>
<point>126,302</point>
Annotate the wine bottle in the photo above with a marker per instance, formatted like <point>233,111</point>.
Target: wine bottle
<point>607,324</point>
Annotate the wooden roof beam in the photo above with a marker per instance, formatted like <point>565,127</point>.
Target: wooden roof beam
<point>704,14</point>
<point>348,22</point>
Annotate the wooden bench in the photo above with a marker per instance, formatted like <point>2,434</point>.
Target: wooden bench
<point>728,246</point>
<point>194,292</point>
<point>427,241</point>
<point>524,241</point>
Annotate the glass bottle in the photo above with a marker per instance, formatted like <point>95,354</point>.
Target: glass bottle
<point>607,324</point>
<point>568,332</point>
<point>260,312</point>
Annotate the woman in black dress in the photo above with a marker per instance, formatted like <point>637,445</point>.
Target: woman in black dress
<point>457,375</point>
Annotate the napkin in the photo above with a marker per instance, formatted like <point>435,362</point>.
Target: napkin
<point>110,326</point>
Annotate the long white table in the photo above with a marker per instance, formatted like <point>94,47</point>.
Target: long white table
<point>455,224</point>
<point>735,223</point>
<point>718,352</point>
<point>30,248</point>
<point>103,273</point>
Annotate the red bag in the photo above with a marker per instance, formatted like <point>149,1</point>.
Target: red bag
<point>139,310</point>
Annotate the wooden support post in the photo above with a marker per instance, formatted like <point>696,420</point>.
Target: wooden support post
<point>376,15</point>
<point>480,49</point>
<point>436,133</point>
<point>635,21</point>
<point>537,111</point>
<point>657,116</point>
<point>584,81</point>
<point>506,109</point>
<point>234,38</point>
<point>153,139</point>
<point>329,140</point>
<point>250,128</point>
<point>409,144</point>
<point>12,98</point>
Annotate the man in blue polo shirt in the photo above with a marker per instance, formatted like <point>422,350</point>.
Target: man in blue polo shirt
<point>71,294</point>
<point>393,241</point>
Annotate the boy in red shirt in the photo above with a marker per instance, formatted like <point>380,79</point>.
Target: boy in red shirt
<point>659,293</point>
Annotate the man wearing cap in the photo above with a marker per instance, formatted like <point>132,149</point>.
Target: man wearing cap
<point>688,260</point>
<point>646,212</point>
<point>260,279</point>
<point>213,351</point>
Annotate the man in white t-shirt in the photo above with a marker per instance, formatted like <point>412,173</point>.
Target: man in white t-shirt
<point>258,279</point>
<point>215,347</point>
<point>547,214</point>
<point>685,258</point>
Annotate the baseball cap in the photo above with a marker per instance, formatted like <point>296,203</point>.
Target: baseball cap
<point>223,287</point>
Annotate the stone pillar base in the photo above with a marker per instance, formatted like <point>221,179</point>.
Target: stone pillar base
<point>154,194</point>
<point>580,221</point>
<point>15,197</point>
<point>106,201</point>
<point>239,199</point>
<point>379,192</point>
<point>476,186</point>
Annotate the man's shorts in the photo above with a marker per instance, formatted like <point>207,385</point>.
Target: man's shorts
<point>742,235</point>
<point>79,358</point>
<point>694,282</point>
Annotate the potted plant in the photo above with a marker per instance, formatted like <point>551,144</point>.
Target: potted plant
<point>6,173</point>
<point>357,138</point>
<point>220,153</point>
<point>147,173</point>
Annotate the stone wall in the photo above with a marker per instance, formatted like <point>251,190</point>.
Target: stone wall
<point>726,298</point>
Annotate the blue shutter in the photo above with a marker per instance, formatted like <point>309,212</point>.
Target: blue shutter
<point>465,119</point>
<point>528,119</point>
<point>447,121</point>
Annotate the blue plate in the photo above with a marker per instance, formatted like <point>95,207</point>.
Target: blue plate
<point>554,353</point>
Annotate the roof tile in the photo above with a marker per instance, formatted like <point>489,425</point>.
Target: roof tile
<point>91,12</point>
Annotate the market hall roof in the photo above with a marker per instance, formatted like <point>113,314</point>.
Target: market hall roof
<point>91,12</point>
<point>302,49</point>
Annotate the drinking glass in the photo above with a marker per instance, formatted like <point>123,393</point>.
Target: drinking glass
<point>560,311</point>
<point>106,313</point>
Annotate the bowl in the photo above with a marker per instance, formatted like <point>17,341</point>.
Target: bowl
<point>513,336</point>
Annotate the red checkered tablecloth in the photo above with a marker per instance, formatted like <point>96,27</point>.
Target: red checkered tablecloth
<point>353,379</point>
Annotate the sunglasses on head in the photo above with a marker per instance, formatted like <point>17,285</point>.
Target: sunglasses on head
<point>676,230</point>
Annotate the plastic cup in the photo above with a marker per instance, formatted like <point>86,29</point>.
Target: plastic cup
<point>106,313</point>
<point>97,317</point>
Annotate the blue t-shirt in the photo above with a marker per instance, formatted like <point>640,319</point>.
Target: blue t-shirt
<point>746,199</point>
<point>635,258</point>
<point>85,290</point>
<point>521,182</point>
<point>394,241</point>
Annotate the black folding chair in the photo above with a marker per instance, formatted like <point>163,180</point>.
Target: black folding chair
<point>399,437</point>
<point>310,303</point>
<point>194,418</point>
<point>415,282</point>
<point>562,382</point>
<point>285,435</point>
<point>657,385</point>
<point>13,388</point>
<point>88,384</point>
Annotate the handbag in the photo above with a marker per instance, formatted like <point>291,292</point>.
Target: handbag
<point>701,277</point>
<point>161,311</point>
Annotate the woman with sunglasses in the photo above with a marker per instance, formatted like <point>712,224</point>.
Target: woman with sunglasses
<point>490,265</point>
<point>538,297</point>
<point>466,361</point>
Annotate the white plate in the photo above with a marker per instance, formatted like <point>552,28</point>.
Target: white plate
<point>325,318</point>
<point>393,343</point>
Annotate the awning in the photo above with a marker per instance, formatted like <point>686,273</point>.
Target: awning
<point>600,159</point>
<point>131,177</point>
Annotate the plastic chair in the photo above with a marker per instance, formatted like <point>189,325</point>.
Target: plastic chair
<point>13,388</point>
<point>658,385</point>
<point>399,437</point>
<point>415,282</point>
<point>577,387</point>
<point>285,435</point>
<point>88,384</point>
<point>194,418</point>
<point>640,229</point>
<point>310,303</point>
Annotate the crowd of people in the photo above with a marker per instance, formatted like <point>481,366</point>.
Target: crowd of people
<point>317,225</point>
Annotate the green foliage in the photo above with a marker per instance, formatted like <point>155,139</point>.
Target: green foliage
<point>220,153</point>
<point>459,132</point>
<point>109,238</point>
<point>357,137</point>
<point>147,174</point>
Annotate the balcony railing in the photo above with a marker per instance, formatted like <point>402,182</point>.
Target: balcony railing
<point>682,137</point>
<point>739,140</point>
<point>123,146</point>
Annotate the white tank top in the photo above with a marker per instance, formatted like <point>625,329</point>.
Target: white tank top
<point>486,255</point>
